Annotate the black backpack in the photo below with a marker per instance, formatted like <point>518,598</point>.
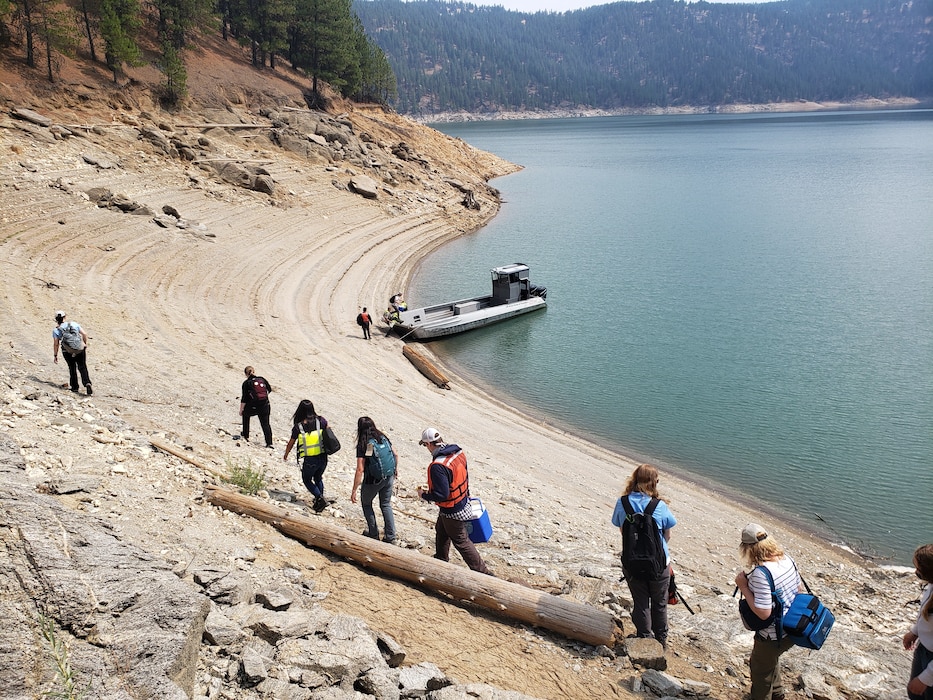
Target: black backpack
<point>642,550</point>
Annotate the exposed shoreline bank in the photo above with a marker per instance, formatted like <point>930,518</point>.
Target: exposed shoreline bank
<point>769,108</point>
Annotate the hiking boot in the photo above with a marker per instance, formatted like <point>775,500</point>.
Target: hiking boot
<point>89,389</point>
<point>319,504</point>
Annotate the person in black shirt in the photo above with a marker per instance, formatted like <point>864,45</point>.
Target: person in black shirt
<point>254,401</point>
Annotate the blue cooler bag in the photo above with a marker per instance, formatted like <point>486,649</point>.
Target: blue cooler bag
<point>478,528</point>
<point>807,621</point>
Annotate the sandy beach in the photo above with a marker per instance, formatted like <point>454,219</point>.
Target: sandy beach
<point>276,282</point>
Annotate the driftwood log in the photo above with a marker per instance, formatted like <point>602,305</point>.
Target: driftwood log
<point>510,600</point>
<point>182,454</point>
<point>426,367</point>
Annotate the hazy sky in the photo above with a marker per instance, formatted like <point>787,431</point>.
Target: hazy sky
<point>557,5</point>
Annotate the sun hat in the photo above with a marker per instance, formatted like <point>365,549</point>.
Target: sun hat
<point>59,315</point>
<point>753,533</point>
<point>429,435</point>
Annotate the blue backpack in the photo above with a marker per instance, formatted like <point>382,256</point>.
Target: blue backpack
<point>382,463</point>
<point>807,621</point>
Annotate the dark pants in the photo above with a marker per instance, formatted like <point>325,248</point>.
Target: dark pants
<point>312,474</point>
<point>368,493</point>
<point>77,363</point>
<point>922,658</point>
<point>447,530</point>
<point>366,331</point>
<point>764,666</point>
<point>262,412</point>
<point>649,605</point>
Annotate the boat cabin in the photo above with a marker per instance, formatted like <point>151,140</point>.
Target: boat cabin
<point>510,283</point>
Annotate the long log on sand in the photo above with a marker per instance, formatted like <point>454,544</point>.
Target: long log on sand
<point>511,600</point>
<point>426,367</point>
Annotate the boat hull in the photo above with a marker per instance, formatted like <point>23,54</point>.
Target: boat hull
<point>449,319</point>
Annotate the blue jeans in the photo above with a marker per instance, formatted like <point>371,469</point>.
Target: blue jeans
<point>312,474</point>
<point>367,495</point>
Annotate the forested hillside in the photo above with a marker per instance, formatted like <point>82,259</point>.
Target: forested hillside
<point>321,39</point>
<point>453,56</point>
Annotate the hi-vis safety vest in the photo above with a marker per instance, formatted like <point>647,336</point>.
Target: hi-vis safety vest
<point>310,443</point>
<point>456,464</point>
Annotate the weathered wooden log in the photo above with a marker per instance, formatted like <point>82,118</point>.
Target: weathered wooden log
<point>426,367</point>
<point>510,600</point>
<point>181,454</point>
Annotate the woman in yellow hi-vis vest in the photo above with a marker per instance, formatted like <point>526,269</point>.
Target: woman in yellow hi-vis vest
<point>308,432</point>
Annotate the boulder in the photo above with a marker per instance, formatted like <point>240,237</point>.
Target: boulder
<point>365,186</point>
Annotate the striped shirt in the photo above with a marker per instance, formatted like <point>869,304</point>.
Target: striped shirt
<point>786,585</point>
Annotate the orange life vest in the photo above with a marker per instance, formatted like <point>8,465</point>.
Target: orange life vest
<point>456,464</point>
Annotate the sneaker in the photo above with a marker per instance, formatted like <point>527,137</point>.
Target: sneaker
<point>270,446</point>
<point>89,389</point>
<point>319,505</point>
<point>388,541</point>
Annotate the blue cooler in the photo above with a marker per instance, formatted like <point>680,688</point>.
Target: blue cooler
<point>478,527</point>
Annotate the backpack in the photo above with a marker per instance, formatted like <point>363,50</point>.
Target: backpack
<point>642,550</point>
<point>359,319</point>
<point>382,463</point>
<point>258,389</point>
<point>71,338</point>
<point>807,621</point>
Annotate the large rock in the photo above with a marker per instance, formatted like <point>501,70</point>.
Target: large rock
<point>365,186</point>
<point>131,626</point>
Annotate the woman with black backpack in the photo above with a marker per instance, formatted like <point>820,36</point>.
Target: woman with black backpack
<point>376,467</point>
<point>645,522</point>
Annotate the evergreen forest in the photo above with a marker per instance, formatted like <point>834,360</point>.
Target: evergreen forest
<point>454,56</point>
<point>323,39</point>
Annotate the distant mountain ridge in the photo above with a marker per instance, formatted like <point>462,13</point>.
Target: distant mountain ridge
<point>454,56</point>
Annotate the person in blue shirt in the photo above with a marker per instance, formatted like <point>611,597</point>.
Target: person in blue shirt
<point>649,596</point>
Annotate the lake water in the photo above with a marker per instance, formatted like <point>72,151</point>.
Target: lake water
<point>744,299</point>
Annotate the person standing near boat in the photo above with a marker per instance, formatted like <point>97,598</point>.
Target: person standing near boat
<point>449,489</point>
<point>920,636</point>
<point>364,320</point>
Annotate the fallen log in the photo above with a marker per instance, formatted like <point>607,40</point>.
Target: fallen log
<point>510,600</point>
<point>426,367</point>
<point>181,454</point>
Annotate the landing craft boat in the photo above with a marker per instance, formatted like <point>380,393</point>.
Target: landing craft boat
<point>512,295</point>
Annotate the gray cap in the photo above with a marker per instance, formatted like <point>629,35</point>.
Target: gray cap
<point>753,533</point>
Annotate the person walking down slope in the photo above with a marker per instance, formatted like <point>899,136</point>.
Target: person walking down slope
<point>254,401</point>
<point>376,468</point>
<point>308,431</point>
<point>920,636</point>
<point>449,489</point>
<point>71,339</point>
<point>649,578</point>
<point>364,320</point>
<point>758,551</point>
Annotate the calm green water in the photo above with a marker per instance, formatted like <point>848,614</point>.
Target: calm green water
<point>747,299</point>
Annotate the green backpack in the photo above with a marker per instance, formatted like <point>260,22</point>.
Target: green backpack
<point>382,463</point>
